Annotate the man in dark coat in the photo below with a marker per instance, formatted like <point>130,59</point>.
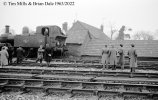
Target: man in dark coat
<point>113,57</point>
<point>48,52</point>
<point>121,57</point>
<point>20,54</point>
<point>105,57</point>
<point>10,52</point>
<point>132,58</point>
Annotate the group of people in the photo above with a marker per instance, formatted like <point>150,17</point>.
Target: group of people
<point>7,52</point>
<point>110,56</point>
<point>113,57</point>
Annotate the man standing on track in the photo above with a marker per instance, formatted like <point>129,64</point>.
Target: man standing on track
<point>113,57</point>
<point>48,54</point>
<point>132,58</point>
<point>121,57</point>
<point>20,54</point>
<point>10,52</point>
<point>40,54</point>
<point>105,57</point>
<point>4,56</point>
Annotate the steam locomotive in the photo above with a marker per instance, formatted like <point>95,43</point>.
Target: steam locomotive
<point>51,35</point>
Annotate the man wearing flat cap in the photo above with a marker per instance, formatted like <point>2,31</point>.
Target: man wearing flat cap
<point>105,57</point>
<point>20,54</point>
<point>132,58</point>
<point>113,57</point>
<point>121,56</point>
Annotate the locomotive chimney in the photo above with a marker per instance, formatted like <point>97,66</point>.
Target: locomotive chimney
<point>64,26</point>
<point>102,27</point>
<point>7,29</point>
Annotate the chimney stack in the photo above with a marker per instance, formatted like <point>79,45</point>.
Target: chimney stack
<point>102,28</point>
<point>65,26</point>
<point>7,29</point>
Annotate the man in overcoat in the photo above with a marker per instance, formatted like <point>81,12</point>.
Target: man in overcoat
<point>4,57</point>
<point>113,57</point>
<point>20,54</point>
<point>48,54</point>
<point>132,58</point>
<point>11,53</point>
<point>105,57</point>
<point>121,57</point>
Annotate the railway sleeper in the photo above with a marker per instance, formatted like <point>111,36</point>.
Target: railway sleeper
<point>33,83</point>
<point>48,84</point>
<point>58,92</point>
<point>71,85</point>
<point>15,83</point>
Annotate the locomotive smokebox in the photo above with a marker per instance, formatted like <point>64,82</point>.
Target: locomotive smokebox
<point>7,29</point>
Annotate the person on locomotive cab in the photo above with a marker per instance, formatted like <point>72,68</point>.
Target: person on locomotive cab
<point>105,57</point>
<point>4,56</point>
<point>40,54</point>
<point>132,58</point>
<point>48,54</point>
<point>113,57</point>
<point>20,54</point>
<point>121,57</point>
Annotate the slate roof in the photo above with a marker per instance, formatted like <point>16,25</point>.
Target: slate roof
<point>77,36</point>
<point>96,32</point>
<point>79,30</point>
<point>145,48</point>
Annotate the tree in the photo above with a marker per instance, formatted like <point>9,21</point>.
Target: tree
<point>156,34</point>
<point>143,35</point>
<point>112,29</point>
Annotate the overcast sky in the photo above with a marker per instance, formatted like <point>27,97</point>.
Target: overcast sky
<point>136,14</point>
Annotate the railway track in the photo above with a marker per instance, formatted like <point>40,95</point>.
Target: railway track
<point>152,65</point>
<point>99,88</point>
<point>78,72</point>
<point>86,83</point>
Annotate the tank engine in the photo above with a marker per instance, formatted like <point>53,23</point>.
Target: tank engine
<point>51,35</point>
